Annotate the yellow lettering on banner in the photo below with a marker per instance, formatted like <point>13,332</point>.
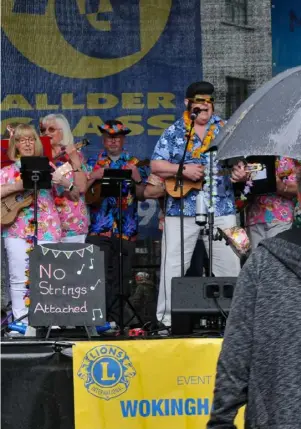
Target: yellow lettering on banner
<point>132,100</point>
<point>109,101</point>
<point>22,120</point>
<point>15,101</point>
<point>87,125</point>
<point>163,99</point>
<point>158,122</point>
<point>68,103</point>
<point>130,122</point>
<point>42,103</point>
<point>105,375</point>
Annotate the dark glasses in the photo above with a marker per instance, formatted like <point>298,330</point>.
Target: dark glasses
<point>198,99</point>
<point>50,130</point>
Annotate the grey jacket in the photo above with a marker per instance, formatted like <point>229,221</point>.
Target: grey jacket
<point>260,361</point>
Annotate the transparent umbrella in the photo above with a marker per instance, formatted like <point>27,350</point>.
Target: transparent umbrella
<point>267,123</point>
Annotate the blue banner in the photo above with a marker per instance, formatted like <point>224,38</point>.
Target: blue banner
<point>286,34</point>
<point>96,60</point>
<point>99,60</point>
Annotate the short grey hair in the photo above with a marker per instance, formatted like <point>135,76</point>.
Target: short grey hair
<point>63,124</point>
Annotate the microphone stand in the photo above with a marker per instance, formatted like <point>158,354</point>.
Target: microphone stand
<point>179,183</point>
<point>210,215</point>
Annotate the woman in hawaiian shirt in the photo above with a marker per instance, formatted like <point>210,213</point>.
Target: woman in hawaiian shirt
<point>70,204</point>
<point>18,237</point>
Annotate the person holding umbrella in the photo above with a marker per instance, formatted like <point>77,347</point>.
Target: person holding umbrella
<point>267,124</point>
<point>270,214</point>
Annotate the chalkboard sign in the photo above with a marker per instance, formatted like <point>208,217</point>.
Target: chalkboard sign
<point>67,285</point>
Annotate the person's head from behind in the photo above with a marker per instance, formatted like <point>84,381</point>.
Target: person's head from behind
<point>113,134</point>
<point>57,127</point>
<point>200,95</point>
<point>24,142</point>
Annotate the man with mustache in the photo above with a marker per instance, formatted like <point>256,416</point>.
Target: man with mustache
<point>165,162</point>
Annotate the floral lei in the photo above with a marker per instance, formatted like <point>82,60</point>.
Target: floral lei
<point>197,153</point>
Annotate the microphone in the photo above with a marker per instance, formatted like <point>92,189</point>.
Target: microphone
<point>194,114</point>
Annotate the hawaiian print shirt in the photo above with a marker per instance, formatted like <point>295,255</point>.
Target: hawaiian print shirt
<point>170,147</point>
<point>49,228</point>
<point>105,219</point>
<point>74,215</point>
<point>273,208</point>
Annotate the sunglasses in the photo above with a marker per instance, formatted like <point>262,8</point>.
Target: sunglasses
<point>50,130</point>
<point>198,99</point>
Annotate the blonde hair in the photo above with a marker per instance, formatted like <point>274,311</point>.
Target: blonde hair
<point>64,125</point>
<point>23,130</point>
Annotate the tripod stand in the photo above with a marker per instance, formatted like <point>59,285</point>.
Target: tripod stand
<point>112,184</point>
<point>36,175</point>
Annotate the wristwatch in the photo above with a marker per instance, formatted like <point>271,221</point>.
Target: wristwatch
<point>71,187</point>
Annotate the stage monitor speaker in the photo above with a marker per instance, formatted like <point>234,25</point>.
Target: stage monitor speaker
<point>197,298</point>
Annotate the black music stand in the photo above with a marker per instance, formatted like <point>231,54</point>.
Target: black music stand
<point>36,174</point>
<point>111,186</point>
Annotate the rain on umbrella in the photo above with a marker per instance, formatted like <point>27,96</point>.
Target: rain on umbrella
<point>267,123</point>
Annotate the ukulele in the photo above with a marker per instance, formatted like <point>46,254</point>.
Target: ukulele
<point>189,185</point>
<point>12,204</point>
<point>93,194</point>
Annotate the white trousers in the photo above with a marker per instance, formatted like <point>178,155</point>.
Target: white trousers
<point>261,231</point>
<point>75,239</point>
<point>16,255</point>
<point>225,262</point>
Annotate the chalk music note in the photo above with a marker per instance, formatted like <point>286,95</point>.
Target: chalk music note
<point>94,287</point>
<point>80,271</point>
<point>100,313</point>
<point>91,266</point>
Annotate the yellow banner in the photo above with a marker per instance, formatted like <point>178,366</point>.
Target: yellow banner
<point>151,384</point>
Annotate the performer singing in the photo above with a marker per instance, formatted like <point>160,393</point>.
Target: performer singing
<point>166,157</point>
<point>70,203</point>
<point>270,214</point>
<point>18,237</point>
<point>105,228</point>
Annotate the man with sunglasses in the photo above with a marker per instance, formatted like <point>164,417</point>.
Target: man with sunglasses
<point>165,162</point>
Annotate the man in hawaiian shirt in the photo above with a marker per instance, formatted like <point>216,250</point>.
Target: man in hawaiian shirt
<point>165,162</point>
<point>104,228</point>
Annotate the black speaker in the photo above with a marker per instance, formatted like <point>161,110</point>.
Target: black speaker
<point>196,298</point>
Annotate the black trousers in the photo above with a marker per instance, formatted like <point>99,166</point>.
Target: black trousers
<point>110,247</point>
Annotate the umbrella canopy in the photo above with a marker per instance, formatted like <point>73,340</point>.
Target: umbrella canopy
<point>267,123</point>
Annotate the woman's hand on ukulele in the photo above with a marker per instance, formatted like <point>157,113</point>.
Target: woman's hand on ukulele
<point>58,178</point>
<point>193,172</point>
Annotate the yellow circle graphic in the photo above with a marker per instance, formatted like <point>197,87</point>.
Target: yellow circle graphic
<point>49,50</point>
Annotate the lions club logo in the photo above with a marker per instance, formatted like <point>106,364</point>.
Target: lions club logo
<point>106,371</point>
